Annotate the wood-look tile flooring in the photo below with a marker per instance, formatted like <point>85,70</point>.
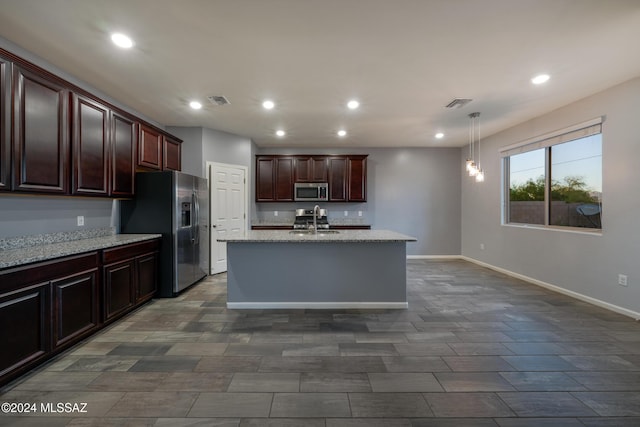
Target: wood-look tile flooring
<point>475,348</point>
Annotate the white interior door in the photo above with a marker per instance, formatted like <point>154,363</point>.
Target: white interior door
<point>228,208</point>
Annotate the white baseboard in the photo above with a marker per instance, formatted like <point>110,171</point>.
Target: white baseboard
<point>316,305</point>
<point>603,304</point>
<point>435,257</point>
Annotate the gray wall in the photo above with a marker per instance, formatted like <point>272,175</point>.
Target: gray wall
<point>584,263</point>
<point>191,149</point>
<point>26,215</point>
<point>202,145</point>
<point>415,191</point>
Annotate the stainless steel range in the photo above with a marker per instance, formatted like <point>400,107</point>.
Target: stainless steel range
<point>304,218</point>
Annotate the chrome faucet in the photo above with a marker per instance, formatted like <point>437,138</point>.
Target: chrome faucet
<point>316,213</point>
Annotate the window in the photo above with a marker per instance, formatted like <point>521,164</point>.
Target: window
<point>556,179</point>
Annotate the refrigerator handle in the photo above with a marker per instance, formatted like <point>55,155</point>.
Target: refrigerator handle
<point>195,229</point>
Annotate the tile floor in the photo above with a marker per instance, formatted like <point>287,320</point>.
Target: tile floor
<point>475,348</point>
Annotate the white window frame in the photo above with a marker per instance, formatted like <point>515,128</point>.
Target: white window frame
<point>571,133</point>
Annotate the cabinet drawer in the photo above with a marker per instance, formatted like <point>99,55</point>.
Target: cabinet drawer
<point>129,251</point>
<point>18,277</point>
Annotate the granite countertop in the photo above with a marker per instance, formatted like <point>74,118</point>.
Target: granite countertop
<point>273,236</point>
<point>47,251</point>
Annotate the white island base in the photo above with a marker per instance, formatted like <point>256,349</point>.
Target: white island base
<point>354,270</point>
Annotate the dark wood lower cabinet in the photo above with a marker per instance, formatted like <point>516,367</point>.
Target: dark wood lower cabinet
<point>76,306</point>
<point>147,276</point>
<point>118,289</point>
<point>130,277</point>
<point>48,306</point>
<point>24,335</point>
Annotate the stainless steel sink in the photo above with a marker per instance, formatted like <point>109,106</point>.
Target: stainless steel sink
<point>308,232</point>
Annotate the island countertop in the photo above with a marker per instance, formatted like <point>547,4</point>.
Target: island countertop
<point>288,236</point>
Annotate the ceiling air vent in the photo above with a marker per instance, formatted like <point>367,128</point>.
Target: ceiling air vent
<point>218,100</point>
<point>458,103</point>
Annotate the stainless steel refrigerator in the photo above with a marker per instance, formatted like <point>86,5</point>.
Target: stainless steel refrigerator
<point>177,206</point>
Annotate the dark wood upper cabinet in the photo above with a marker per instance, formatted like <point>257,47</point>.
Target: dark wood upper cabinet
<point>284,179</point>
<point>265,179</point>
<point>5,124</point>
<point>90,150</point>
<point>150,148</point>
<point>310,169</point>
<point>346,175</point>
<point>57,138</point>
<point>338,179</point>
<point>171,154</point>
<point>357,179</point>
<point>124,142</point>
<point>274,179</point>
<point>40,146</point>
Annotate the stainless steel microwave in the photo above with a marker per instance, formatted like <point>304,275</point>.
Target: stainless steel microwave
<point>311,191</point>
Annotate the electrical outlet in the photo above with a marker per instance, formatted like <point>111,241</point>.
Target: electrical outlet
<point>80,220</point>
<point>346,213</point>
<point>482,246</point>
<point>359,213</point>
<point>275,213</point>
<point>622,279</point>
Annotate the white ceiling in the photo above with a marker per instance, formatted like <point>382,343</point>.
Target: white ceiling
<point>403,59</point>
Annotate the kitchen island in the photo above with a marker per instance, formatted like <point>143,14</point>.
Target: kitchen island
<point>345,269</point>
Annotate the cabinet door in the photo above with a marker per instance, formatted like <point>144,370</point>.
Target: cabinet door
<point>357,182</point>
<point>150,148</point>
<point>5,124</point>
<point>124,141</point>
<point>171,155</point>
<point>119,288</point>
<point>310,169</point>
<point>284,179</point>
<point>302,169</point>
<point>265,175</point>
<point>90,152</point>
<point>337,179</point>
<point>147,276</point>
<point>25,331</point>
<point>75,301</point>
<point>41,146</point>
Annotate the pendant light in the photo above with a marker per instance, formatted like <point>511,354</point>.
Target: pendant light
<point>480,174</point>
<point>470,164</point>
<point>474,168</point>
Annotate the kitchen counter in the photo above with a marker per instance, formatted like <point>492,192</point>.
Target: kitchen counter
<point>341,236</point>
<point>47,251</point>
<point>349,269</point>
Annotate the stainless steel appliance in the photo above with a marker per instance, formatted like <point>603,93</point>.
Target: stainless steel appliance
<point>304,218</point>
<point>311,191</point>
<point>177,206</point>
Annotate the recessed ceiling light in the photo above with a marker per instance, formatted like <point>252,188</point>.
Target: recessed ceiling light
<point>195,105</point>
<point>280,133</point>
<point>268,104</point>
<point>342,133</point>
<point>122,40</point>
<point>439,135</point>
<point>540,78</point>
<point>353,104</point>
